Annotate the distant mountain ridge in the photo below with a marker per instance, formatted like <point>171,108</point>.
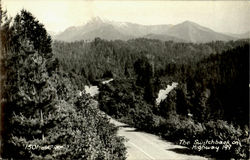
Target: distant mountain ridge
<point>184,32</point>
<point>241,36</point>
<point>193,32</point>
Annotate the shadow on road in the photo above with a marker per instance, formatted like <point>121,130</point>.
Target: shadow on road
<point>124,126</point>
<point>183,151</point>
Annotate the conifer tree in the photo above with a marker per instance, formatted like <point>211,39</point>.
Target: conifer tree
<point>29,91</point>
<point>38,113</point>
<point>28,31</point>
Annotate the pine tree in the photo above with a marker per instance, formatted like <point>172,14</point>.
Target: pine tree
<point>40,111</point>
<point>29,92</point>
<point>28,32</point>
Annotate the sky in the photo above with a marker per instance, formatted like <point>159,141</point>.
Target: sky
<point>57,15</point>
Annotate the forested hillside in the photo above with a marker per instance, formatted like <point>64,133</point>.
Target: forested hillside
<point>209,103</point>
<point>102,58</point>
<point>43,117</point>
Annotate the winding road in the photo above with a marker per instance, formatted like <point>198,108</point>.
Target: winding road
<point>145,146</point>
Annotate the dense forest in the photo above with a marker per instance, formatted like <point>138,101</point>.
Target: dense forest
<point>43,116</point>
<point>210,102</point>
<point>102,58</point>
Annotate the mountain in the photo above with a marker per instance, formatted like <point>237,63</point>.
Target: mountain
<point>52,34</point>
<point>96,27</point>
<point>164,37</point>
<point>110,30</point>
<point>184,32</point>
<point>245,35</point>
<point>240,36</point>
<point>138,30</point>
<point>193,32</point>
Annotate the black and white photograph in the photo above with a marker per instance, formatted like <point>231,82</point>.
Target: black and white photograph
<point>124,80</point>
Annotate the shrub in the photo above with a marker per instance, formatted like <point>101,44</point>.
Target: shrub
<point>221,130</point>
<point>176,127</point>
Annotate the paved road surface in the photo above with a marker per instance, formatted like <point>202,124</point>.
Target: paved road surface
<point>144,146</point>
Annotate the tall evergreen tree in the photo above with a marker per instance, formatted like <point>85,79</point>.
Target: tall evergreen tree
<point>40,109</point>
<point>28,32</point>
<point>29,92</point>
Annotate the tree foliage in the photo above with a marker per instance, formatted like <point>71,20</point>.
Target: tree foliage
<point>212,96</point>
<point>44,118</point>
<point>28,31</point>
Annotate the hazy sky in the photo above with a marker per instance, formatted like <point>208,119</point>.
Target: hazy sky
<point>57,15</point>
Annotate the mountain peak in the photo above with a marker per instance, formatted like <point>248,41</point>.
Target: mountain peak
<point>187,22</point>
<point>192,25</point>
<point>98,19</point>
<point>186,31</point>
